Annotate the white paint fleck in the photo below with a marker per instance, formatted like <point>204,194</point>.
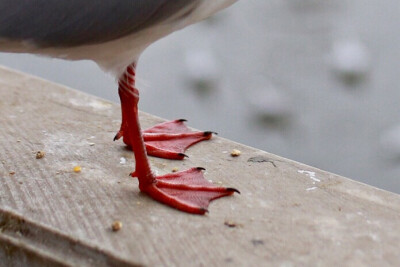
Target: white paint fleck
<point>95,104</point>
<point>310,174</point>
<point>122,160</point>
<point>311,188</point>
<point>375,237</point>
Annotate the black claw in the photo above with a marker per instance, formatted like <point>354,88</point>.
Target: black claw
<point>182,120</point>
<point>115,137</point>
<point>183,155</point>
<point>231,189</point>
<point>204,210</point>
<point>209,132</point>
<point>200,168</point>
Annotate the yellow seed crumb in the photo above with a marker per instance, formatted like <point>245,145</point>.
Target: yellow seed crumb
<point>116,226</point>
<point>175,169</point>
<point>77,168</point>
<point>40,154</point>
<point>235,153</point>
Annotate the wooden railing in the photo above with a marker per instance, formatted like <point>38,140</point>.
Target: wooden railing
<point>288,213</point>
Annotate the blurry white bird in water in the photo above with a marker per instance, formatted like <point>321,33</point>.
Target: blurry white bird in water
<point>390,142</point>
<point>202,70</point>
<point>350,59</point>
<point>268,103</point>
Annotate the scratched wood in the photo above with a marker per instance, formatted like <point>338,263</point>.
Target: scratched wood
<point>288,213</point>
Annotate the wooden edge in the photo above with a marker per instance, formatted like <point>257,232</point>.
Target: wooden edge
<point>24,241</point>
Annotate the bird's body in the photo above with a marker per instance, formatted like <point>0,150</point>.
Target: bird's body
<point>111,33</point>
<point>114,33</point>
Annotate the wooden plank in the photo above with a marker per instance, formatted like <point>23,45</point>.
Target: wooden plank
<point>288,213</point>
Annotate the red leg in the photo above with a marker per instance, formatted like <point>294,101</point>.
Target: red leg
<point>188,190</point>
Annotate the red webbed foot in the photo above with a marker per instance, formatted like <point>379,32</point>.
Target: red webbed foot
<point>187,190</point>
<point>171,139</point>
<point>168,140</point>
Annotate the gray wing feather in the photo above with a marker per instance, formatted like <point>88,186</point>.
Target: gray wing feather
<point>78,22</point>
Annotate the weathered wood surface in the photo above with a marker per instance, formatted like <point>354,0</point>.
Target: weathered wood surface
<point>288,213</point>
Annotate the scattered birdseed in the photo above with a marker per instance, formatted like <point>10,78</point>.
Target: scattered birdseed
<point>40,154</point>
<point>175,169</point>
<point>77,169</point>
<point>116,226</point>
<point>12,172</point>
<point>235,153</point>
<point>91,144</point>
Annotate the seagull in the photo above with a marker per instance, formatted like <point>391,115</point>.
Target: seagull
<point>113,33</point>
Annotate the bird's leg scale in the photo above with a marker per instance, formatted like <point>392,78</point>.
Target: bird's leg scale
<point>186,190</point>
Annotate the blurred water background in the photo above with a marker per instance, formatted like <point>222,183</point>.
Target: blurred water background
<point>310,80</point>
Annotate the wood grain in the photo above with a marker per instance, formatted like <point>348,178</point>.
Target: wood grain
<point>288,213</point>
